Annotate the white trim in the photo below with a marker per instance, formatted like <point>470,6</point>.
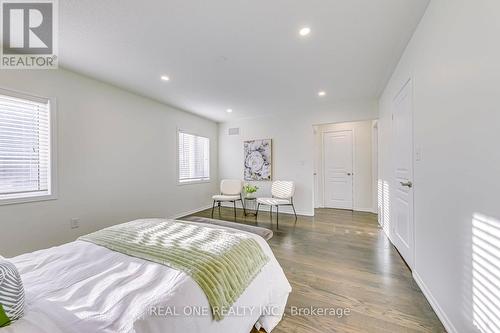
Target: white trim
<point>35,198</point>
<point>192,182</point>
<point>224,204</point>
<point>54,148</point>
<point>23,95</point>
<point>177,171</point>
<point>310,214</point>
<point>190,212</point>
<point>299,212</point>
<point>375,166</point>
<point>316,167</point>
<point>366,210</point>
<point>283,209</point>
<point>322,162</point>
<point>354,171</point>
<point>53,134</point>
<point>434,304</point>
<point>412,161</point>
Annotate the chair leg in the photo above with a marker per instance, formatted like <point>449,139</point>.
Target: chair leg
<point>257,211</point>
<point>243,205</point>
<point>219,209</point>
<point>294,212</point>
<point>213,207</point>
<point>234,204</point>
<point>271,212</point>
<point>277,216</point>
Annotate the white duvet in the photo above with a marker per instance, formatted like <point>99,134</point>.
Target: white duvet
<point>81,287</point>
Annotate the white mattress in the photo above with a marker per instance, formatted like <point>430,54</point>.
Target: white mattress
<point>82,287</point>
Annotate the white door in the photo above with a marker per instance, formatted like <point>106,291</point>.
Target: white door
<point>337,169</point>
<point>402,226</point>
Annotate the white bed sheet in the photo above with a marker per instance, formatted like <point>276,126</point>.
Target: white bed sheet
<point>80,287</point>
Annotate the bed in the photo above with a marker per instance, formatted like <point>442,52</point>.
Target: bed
<point>84,287</point>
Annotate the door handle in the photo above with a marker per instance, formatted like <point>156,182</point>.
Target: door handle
<point>408,184</point>
<point>348,173</point>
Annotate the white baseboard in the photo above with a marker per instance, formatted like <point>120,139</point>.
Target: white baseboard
<point>450,328</point>
<point>176,216</point>
<point>283,210</point>
<point>299,212</point>
<point>365,210</point>
<point>435,305</point>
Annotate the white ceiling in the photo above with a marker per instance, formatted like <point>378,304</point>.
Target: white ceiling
<point>239,54</point>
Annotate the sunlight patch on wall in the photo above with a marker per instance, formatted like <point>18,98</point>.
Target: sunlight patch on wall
<point>380,202</point>
<point>386,206</point>
<point>486,273</point>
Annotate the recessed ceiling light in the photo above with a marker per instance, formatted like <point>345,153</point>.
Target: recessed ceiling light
<point>321,93</point>
<point>305,31</point>
<point>229,110</point>
<point>165,78</point>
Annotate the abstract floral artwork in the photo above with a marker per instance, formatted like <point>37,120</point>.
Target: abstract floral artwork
<point>258,159</point>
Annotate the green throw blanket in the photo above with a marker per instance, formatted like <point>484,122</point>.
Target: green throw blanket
<point>223,263</point>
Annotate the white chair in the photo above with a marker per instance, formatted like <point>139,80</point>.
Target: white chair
<point>230,191</point>
<point>282,195</point>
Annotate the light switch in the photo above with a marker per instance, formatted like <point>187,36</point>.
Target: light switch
<point>418,154</point>
<point>75,223</point>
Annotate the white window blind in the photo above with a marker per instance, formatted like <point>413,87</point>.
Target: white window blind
<point>24,146</point>
<point>194,158</point>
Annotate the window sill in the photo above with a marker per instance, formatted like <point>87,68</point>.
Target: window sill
<point>14,201</point>
<point>193,182</point>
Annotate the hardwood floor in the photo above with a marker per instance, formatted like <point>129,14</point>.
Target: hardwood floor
<point>343,260</point>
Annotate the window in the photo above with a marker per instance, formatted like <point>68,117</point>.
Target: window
<point>25,148</point>
<point>194,158</point>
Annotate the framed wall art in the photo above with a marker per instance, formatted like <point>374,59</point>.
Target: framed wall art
<point>258,159</point>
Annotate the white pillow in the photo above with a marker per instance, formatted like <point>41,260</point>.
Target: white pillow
<point>11,293</point>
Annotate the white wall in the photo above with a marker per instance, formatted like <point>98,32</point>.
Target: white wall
<point>362,179</point>
<point>116,161</point>
<point>454,60</point>
<point>293,145</point>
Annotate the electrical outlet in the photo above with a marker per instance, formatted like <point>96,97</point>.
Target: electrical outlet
<point>75,223</point>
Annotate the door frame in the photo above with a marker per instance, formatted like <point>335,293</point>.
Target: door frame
<point>323,174</point>
<point>375,169</point>
<point>409,80</point>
